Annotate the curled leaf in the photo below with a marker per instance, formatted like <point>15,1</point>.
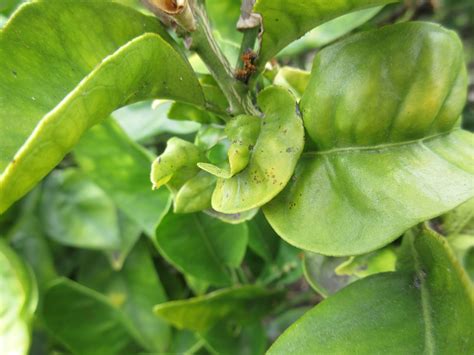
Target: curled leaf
<point>242,131</point>
<point>272,160</point>
<point>176,165</point>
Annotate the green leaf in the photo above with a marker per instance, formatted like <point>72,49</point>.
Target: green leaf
<point>176,165</point>
<point>262,239</point>
<point>425,310</point>
<point>195,194</point>
<point>319,271</point>
<point>84,321</point>
<point>76,212</point>
<point>202,246</point>
<point>135,289</point>
<point>184,112</point>
<point>122,169</point>
<point>330,31</point>
<point>18,301</point>
<point>144,120</point>
<point>295,80</point>
<point>242,304</point>
<point>65,67</point>
<point>129,234</point>
<point>287,20</point>
<point>389,154</point>
<point>327,275</point>
<point>273,157</point>
<point>460,220</point>
<point>230,338</point>
<point>243,132</point>
<point>233,218</point>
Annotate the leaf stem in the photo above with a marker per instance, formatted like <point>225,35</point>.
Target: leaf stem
<point>205,45</point>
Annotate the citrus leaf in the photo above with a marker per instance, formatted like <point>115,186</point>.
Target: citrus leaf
<point>18,301</point>
<point>121,168</point>
<point>243,304</point>
<point>273,158</point>
<point>134,289</point>
<point>84,321</point>
<point>76,212</point>
<point>202,246</point>
<point>287,20</point>
<point>389,154</point>
<point>65,67</point>
<point>427,309</point>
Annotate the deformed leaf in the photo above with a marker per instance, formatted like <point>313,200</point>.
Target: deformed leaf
<point>121,168</point>
<point>242,304</point>
<point>388,152</point>
<point>176,165</point>
<point>202,246</point>
<point>66,65</point>
<point>287,20</point>
<point>18,301</point>
<point>195,194</point>
<point>242,131</point>
<point>426,309</point>
<point>84,321</point>
<point>272,160</point>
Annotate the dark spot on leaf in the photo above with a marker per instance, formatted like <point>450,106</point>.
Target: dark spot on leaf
<point>290,150</point>
<point>14,73</point>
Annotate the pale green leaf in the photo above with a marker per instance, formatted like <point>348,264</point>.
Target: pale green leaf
<point>18,301</point>
<point>295,80</point>
<point>287,20</point>
<point>242,304</point>
<point>84,321</point>
<point>195,194</point>
<point>424,310</point>
<point>202,246</point>
<point>388,152</point>
<point>122,170</point>
<point>176,165</point>
<point>144,120</point>
<point>66,65</point>
<point>330,31</point>
<point>273,158</point>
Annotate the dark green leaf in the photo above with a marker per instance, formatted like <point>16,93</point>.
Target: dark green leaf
<point>426,309</point>
<point>85,322</point>
<point>242,304</point>
<point>135,289</point>
<point>202,246</point>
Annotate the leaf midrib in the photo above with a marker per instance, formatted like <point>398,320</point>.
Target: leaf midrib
<point>209,246</point>
<point>380,147</point>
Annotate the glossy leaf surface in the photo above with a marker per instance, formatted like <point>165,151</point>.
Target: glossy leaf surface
<point>389,154</point>
<point>100,60</point>
<point>426,309</point>
<point>122,168</point>
<point>18,301</point>
<point>273,158</point>
<point>242,304</point>
<point>84,321</point>
<point>285,21</point>
<point>202,246</point>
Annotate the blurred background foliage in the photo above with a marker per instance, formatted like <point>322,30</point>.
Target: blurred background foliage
<point>53,245</point>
